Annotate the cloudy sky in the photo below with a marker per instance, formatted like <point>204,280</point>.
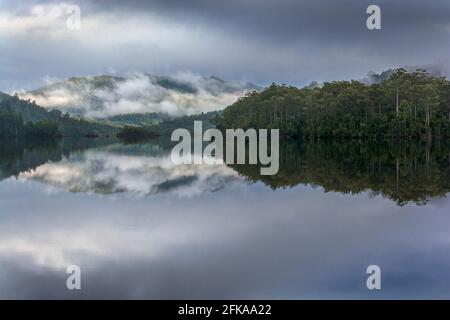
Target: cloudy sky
<point>286,41</point>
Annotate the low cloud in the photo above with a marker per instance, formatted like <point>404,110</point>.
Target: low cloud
<point>103,96</point>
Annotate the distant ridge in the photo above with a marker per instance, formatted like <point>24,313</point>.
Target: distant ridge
<point>3,95</point>
<point>107,95</point>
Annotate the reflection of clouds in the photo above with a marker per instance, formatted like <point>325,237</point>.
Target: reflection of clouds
<point>106,173</point>
<point>61,246</point>
<point>243,242</point>
<point>49,250</point>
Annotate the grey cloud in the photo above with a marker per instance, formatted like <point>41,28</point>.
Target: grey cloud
<point>336,21</point>
<point>286,41</point>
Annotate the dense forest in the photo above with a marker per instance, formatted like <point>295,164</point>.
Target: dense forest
<point>396,104</point>
<point>407,105</point>
<point>168,125</point>
<point>131,134</point>
<point>12,125</point>
<point>162,126</point>
<point>18,117</point>
<point>137,119</point>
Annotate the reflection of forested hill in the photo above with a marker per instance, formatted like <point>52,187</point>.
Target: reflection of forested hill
<point>18,155</point>
<point>144,169</point>
<point>401,172</point>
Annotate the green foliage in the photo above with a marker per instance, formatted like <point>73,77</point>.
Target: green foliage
<point>137,119</point>
<point>168,125</point>
<point>42,129</point>
<point>405,105</point>
<point>12,126</point>
<point>130,134</point>
<point>29,112</point>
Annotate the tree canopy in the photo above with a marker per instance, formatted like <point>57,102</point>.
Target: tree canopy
<point>407,105</point>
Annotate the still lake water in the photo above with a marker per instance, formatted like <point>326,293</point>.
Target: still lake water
<point>141,227</point>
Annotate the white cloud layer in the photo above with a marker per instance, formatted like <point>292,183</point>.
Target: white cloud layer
<point>183,94</point>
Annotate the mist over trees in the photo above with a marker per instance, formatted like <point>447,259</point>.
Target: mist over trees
<point>407,105</point>
<point>400,104</point>
<point>20,117</point>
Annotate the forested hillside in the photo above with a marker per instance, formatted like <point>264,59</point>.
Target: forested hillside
<point>405,105</point>
<point>137,119</point>
<point>168,125</point>
<point>17,117</point>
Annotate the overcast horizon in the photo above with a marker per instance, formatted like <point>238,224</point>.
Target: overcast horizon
<point>291,42</point>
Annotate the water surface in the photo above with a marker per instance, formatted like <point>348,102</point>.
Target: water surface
<point>141,227</point>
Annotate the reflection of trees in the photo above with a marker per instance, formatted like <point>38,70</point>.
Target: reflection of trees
<point>16,155</point>
<point>402,172</point>
<point>20,155</point>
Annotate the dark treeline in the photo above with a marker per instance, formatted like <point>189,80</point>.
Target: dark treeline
<point>163,128</point>
<point>402,171</point>
<point>168,125</point>
<point>22,155</point>
<point>131,134</point>
<point>12,126</point>
<point>14,110</point>
<point>407,105</point>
